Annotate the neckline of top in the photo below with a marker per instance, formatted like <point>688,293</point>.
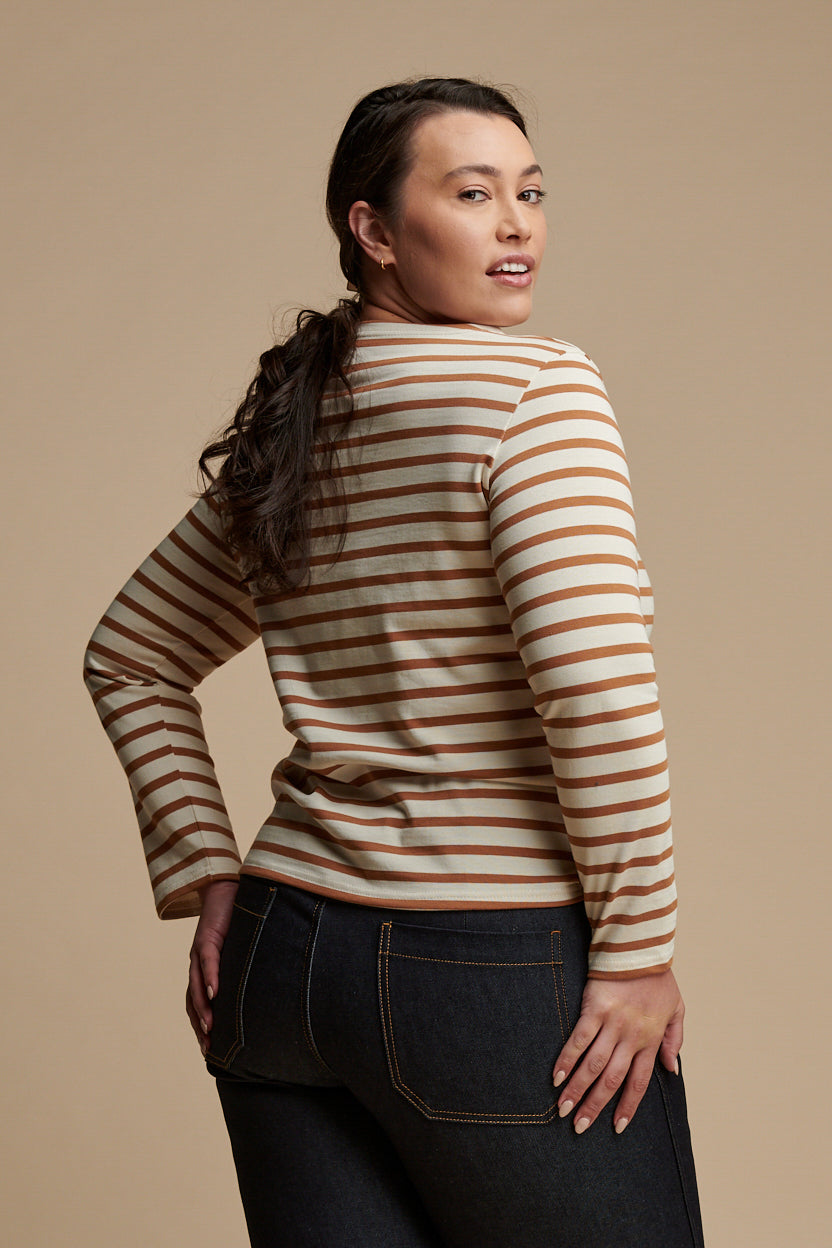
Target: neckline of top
<point>408,327</point>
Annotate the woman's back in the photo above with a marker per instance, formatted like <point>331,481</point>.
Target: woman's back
<point>480,643</point>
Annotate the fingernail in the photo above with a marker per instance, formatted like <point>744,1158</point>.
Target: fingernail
<point>676,1067</point>
<point>620,1125</point>
<point>203,1025</point>
<point>581,1126</point>
<point>210,992</point>
<point>559,1078</point>
<point>564,1109</point>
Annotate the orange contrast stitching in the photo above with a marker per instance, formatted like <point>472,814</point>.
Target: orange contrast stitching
<point>483,1117</point>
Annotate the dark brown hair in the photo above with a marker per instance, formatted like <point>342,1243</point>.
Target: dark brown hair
<point>266,478</point>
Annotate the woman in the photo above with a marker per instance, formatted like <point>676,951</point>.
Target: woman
<point>438,1000</point>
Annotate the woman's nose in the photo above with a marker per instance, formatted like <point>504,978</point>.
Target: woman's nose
<point>514,223</point>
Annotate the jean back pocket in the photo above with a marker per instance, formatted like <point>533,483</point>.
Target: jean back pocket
<point>251,908</point>
<point>473,1021</point>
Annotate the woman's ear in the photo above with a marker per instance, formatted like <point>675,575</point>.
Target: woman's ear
<point>369,232</point>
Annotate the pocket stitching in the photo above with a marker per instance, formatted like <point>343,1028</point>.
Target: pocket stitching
<point>305,986</point>
<point>479,1117</point>
<point>560,991</point>
<point>239,1039</point>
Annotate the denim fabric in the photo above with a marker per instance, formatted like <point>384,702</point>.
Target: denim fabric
<point>386,1079</point>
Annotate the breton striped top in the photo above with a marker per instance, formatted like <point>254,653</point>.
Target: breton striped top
<point>470,685</point>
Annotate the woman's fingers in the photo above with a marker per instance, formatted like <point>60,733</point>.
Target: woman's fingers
<point>672,1042</point>
<point>217,900</point>
<point>584,1033</point>
<point>622,1026</point>
<point>196,1001</point>
<point>209,965</point>
<point>635,1085</point>
<point>596,1081</point>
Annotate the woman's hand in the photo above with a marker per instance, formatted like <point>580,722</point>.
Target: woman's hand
<point>203,979</point>
<point>624,1023</point>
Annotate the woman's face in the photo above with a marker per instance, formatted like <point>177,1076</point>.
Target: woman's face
<point>469,237</point>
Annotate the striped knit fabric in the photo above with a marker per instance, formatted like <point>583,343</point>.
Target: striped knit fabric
<point>470,685</point>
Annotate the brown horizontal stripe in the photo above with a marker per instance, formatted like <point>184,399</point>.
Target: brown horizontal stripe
<point>615,777</point>
<point>434,749</point>
<point>561,534</point>
<point>624,919</point>
<point>401,635</point>
<point>573,502</point>
<point>478,545</point>
<point>637,862</point>
<point>560,446</point>
<point>610,715</point>
<point>420,576</point>
<point>426,663</point>
<point>197,856</point>
<point>437,691</point>
<point>403,466</point>
<point>572,657</point>
<point>608,747</point>
<point>131,708</point>
<point>572,473</point>
<point>201,828</point>
<point>629,946</point>
<point>446,793</point>
<point>631,890</point>
<point>146,730</point>
<point>619,837</point>
<point>408,361</point>
<point>605,621</point>
<point>482,602</point>
<point>404,489</point>
<point>409,723</point>
<point>419,877</point>
<point>572,594</point>
<point>176,777</point>
<point>589,687</point>
<point>593,560</point>
<point>435,848</point>
<point>173,748</point>
<point>405,518</point>
<point>182,803</point>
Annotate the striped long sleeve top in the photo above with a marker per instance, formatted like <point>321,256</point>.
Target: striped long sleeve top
<point>469,685</point>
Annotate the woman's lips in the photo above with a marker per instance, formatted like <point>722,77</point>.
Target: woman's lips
<point>512,279</point>
<point>516,260</point>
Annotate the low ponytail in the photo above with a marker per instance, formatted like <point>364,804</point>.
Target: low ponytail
<point>277,456</point>
<point>267,478</point>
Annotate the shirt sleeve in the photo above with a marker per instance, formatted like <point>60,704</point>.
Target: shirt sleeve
<point>564,546</point>
<point>182,614</point>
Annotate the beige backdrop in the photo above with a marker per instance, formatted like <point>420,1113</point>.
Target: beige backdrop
<point>162,201</point>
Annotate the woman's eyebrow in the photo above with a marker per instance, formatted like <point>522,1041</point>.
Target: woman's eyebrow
<point>489,171</point>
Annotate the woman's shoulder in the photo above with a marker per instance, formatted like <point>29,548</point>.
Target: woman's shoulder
<point>429,344</point>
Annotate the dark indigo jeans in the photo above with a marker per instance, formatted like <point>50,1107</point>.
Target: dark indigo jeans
<point>386,1080</point>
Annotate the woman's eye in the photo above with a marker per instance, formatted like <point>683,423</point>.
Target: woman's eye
<point>533,195</point>
<point>475,196</point>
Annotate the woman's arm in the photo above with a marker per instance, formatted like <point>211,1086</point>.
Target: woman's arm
<point>564,544</point>
<point>181,615</point>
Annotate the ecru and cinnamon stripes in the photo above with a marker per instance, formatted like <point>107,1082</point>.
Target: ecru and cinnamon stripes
<point>470,684</point>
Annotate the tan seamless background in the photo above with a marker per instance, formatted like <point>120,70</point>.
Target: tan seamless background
<point>162,201</point>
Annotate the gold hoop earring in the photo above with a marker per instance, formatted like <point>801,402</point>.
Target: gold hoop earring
<point>381,262</point>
